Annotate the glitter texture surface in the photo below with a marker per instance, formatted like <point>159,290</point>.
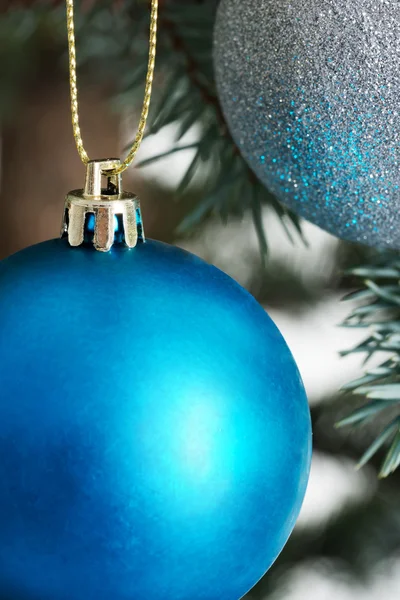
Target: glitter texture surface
<point>311,93</point>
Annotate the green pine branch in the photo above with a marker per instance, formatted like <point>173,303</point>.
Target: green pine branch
<point>377,310</point>
<point>190,97</point>
<point>113,40</point>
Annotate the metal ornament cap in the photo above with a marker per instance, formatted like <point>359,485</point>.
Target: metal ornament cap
<point>107,204</point>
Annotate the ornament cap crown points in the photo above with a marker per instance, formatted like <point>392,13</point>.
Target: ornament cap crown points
<point>112,209</point>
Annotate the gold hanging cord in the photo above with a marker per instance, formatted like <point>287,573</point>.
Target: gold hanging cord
<point>74,87</point>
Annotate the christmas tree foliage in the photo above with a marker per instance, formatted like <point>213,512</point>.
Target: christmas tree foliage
<point>113,47</point>
<point>186,92</point>
<point>378,312</point>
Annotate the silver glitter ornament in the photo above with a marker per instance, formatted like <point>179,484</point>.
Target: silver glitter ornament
<point>311,93</point>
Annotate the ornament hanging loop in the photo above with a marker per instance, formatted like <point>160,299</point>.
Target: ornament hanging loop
<point>95,170</point>
<point>102,215</point>
<point>74,86</point>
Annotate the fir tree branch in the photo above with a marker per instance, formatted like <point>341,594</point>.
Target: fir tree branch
<point>186,95</point>
<point>378,312</point>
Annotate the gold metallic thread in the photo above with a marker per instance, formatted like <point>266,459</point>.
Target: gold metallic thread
<point>74,87</point>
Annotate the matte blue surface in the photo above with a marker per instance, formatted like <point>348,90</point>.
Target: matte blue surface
<point>154,431</point>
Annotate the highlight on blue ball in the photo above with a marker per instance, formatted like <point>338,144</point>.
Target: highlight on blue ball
<point>155,436</point>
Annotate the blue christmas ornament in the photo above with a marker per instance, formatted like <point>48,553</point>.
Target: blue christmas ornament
<point>154,431</point>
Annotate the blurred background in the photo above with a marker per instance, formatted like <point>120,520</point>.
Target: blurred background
<point>347,541</point>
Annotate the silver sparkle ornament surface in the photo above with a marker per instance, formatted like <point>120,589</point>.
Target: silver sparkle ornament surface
<point>311,93</point>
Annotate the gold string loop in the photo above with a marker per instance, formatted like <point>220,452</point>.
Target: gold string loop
<point>74,86</point>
